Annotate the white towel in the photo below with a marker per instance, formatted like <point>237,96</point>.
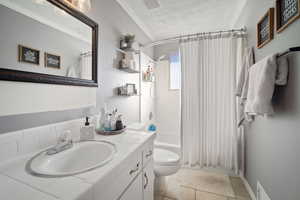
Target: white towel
<point>242,86</point>
<point>262,78</point>
<point>243,79</point>
<point>282,71</point>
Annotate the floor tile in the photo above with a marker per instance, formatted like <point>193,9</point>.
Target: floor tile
<point>239,188</point>
<point>208,196</point>
<point>190,184</point>
<point>205,181</point>
<point>173,190</point>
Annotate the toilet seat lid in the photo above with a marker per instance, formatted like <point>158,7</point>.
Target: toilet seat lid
<point>165,157</point>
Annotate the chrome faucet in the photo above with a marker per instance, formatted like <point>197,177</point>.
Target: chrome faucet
<point>64,142</point>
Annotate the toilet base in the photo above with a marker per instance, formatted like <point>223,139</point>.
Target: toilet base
<point>165,170</point>
<point>160,184</point>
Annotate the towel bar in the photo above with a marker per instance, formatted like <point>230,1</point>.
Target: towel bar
<point>290,50</point>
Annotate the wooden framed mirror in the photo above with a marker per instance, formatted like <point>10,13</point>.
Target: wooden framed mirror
<point>47,41</point>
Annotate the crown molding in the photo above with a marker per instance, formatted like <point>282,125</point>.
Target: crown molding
<point>135,18</point>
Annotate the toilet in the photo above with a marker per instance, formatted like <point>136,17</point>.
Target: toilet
<point>165,162</point>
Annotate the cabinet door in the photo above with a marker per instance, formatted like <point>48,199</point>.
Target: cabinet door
<point>135,190</point>
<point>148,182</point>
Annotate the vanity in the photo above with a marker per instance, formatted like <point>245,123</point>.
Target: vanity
<point>128,175</point>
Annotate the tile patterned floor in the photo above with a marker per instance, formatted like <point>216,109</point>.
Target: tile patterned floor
<point>190,184</point>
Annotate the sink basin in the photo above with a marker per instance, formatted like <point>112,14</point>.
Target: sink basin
<point>82,157</point>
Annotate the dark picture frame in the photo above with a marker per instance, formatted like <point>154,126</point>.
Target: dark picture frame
<point>265,29</point>
<point>28,55</point>
<point>24,76</point>
<point>52,60</point>
<point>286,13</point>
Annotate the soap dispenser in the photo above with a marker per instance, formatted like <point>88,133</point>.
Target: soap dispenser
<point>87,131</point>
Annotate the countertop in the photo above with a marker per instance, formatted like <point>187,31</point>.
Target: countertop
<point>17,184</point>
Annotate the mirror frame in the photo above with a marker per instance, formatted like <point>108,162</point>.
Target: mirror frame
<point>23,76</point>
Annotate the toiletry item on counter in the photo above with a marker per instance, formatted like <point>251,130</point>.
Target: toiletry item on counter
<point>152,127</point>
<point>87,131</point>
<point>101,119</point>
<point>110,121</point>
<point>113,119</point>
<point>119,123</point>
<point>107,122</point>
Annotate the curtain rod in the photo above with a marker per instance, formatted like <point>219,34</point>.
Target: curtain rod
<point>168,40</point>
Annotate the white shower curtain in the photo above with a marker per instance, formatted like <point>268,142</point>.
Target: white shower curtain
<point>209,118</point>
<point>85,64</point>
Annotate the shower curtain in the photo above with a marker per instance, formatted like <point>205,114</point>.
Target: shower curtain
<point>209,106</point>
<point>85,66</point>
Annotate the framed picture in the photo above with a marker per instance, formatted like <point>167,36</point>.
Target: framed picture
<point>265,29</point>
<point>29,55</point>
<point>52,60</point>
<point>287,11</point>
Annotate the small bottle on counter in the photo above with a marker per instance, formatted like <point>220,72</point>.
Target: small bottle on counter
<point>119,123</point>
<point>87,131</point>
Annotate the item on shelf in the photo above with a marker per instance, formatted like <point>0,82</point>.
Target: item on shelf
<point>128,61</point>
<point>127,90</point>
<point>127,41</point>
<point>149,75</point>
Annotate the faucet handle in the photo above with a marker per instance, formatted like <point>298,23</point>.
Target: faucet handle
<point>65,136</point>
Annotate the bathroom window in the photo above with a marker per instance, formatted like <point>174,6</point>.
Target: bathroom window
<point>175,71</point>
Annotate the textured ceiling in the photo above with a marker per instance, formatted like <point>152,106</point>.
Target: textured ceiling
<point>177,17</point>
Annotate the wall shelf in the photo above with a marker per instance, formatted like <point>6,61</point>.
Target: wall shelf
<point>148,81</point>
<point>127,50</point>
<point>131,95</point>
<point>129,70</point>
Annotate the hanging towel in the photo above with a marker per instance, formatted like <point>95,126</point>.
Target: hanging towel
<point>282,71</point>
<point>243,80</point>
<point>242,86</point>
<point>262,78</point>
<point>71,72</point>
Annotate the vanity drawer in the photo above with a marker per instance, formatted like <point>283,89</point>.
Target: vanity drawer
<point>147,153</point>
<point>120,178</point>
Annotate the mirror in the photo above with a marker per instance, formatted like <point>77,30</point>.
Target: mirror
<point>47,41</point>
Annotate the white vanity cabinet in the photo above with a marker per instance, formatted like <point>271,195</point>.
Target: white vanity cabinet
<point>135,191</point>
<point>148,182</point>
<point>142,187</point>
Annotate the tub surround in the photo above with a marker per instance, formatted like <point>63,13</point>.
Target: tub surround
<point>17,148</point>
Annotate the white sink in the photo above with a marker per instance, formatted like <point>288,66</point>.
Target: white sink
<point>82,157</point>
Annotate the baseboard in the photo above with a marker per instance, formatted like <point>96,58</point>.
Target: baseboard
<point>249,189</point>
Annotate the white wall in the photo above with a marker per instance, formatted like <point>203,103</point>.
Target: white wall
<point>19,97</point>
<point>272,143</point>
<point>147,91</point>
<point>167,106</point>
<point>165,49</point>
<point>113,22</point>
